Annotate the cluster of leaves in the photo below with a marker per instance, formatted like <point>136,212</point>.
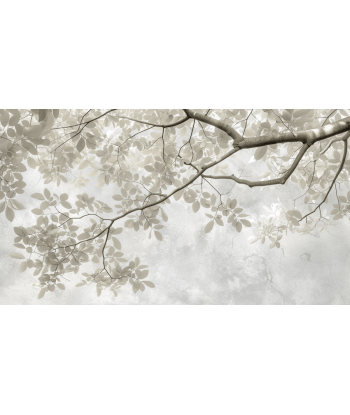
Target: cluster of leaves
<point>152,157</point>
<point>233,213</point>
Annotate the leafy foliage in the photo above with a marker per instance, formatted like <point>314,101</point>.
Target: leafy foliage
<point>153,157</point>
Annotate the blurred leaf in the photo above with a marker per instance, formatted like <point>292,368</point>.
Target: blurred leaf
<point>81,144</point>
<point>38,196</point>
<point>41,293</point>
<point>233,203</point>
<point>17,205</point>
<point>158,235</point>
<point>164,215</point>
<point>149,284</point>
<point>117,243</point>
<point>260,152</point>
<point>42,115</point>
<point>15,117</point>
<point>246,222</point>
<point>47,193</point>
<point>31,162</point>
<point>67,205</point>
<point>196,205</point>
<point>17,255</point>
<point>209,226</point>
<point>10,214</point>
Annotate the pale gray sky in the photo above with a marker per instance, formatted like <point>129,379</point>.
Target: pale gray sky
<point>191,267</point>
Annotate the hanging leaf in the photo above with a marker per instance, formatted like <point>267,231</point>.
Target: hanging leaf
<point>81,144</point>
<point>164,215</point>
<point>219,221</point>
<point>15,117</point>
<point>129,223</point>
<point>42,115</point>
<point>260,152</point>
<point>23,266</point>
<point>233,203</point>
<point>117,197</point>
<point>246,222</point>
<point>41,293</point>
<point>47,193</point>
<point>158,235</point>
<point>17,255</point>
<point>142,274</point>
<point>38,196</point>
<point>195,207</point>
<point>149,284</point>
<point>209,226</point>
<point>116,231</point>
<point>67,205</point>
<point>17,205</point>
<point>117,243</point>
<point>31,162</point>
<point>178,194</point>
<point>10,214</point>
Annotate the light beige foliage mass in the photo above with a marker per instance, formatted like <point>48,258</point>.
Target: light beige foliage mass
<point>149,158</point>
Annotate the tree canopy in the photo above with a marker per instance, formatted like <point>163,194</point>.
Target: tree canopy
<point>150,158</point>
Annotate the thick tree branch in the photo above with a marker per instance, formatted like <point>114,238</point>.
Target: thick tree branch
<point>216,123</point>
<point>280,180</point>
<point>308,137</point>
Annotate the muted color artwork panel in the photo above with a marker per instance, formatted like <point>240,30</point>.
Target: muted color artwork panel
<point>172,207</point>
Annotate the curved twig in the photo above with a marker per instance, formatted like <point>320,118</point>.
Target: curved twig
<point>280,180</point>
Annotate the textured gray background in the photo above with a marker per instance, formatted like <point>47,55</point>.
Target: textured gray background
<point>190,267</point>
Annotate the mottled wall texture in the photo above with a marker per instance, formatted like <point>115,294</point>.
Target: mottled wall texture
<point>191,267</point>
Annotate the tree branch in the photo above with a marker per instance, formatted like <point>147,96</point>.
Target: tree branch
<point>308,137</point>
<point>155,125</point>
<point>216,123</point>
<point>334,141</point>
<point>163,199</point>
<point>280,180</point>
<point>81,129</point>
<point>333,181</point>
